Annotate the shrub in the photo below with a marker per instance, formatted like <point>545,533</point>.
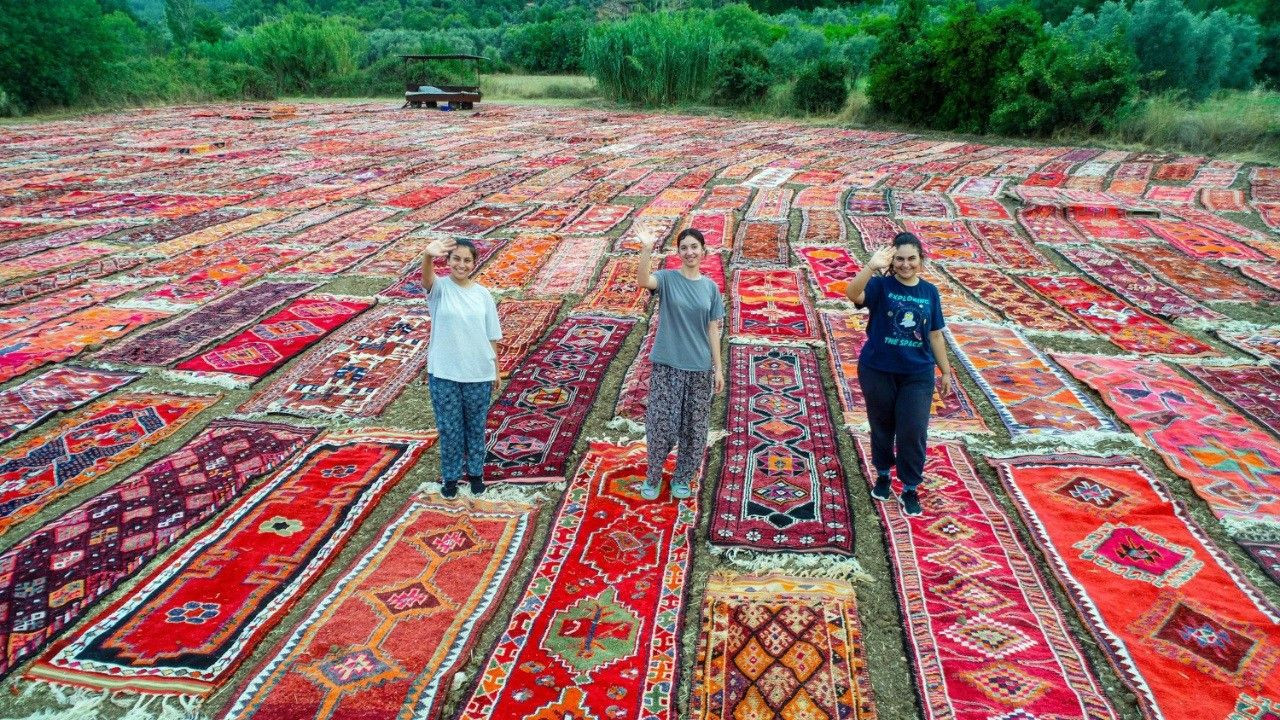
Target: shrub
<point>51,51</point>
<point>800,47</point>
<point>820,87</point>
<point>304,52</point>
<point>742,74</point>
<point>856,53</point>
<point>553,46</point>
<point>1060,85</point>
<point>903,82</point>
<point>653,59</point>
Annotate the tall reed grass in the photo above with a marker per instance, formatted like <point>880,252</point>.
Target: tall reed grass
<point>653,59</point>
<point>1240,122</point>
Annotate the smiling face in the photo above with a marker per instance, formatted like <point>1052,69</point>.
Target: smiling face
<point>691,252</point>
<point>462,262</point>
<point>906,262</point>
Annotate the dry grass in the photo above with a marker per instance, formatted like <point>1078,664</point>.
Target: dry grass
<point>538,87</point>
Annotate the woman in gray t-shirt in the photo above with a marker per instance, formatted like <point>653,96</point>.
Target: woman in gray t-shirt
<point>687,368</point>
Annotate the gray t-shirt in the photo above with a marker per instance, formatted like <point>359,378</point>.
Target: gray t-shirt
<point>685,307</point>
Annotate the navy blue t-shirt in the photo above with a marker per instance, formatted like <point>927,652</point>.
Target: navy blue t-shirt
<point>901,318</point>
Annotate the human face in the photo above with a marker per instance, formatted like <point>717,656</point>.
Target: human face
<point>461,263</point>
<point>691,252</point>
<point>906,262</point>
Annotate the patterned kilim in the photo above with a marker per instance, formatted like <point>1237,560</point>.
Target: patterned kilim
<point>957,303</point>
<point>597,631</point>
<point>782,487</point>
<point>203,256</point>
<point>213,233</point>
<point>152,509</point>
<point>223,275</point>
<point>1266,273</point>
<point>660,227</point>
<point>633,399</point>
<point>598,220</point>
<point>571,267</point>
<point>71,236</point>
<point>35,287</point>
<point>48,260</point>
<point>480,220</point>
<point>985,638</point>
<point>875,231</point>
<point>266,346</point>
<point>1196,278</point>
<point>616,291</point>
<point>16,318</point>
<point>831,269</point>
<point>762,243</point>
<point>1219,200</point>
<point>1134,284</point>
<point>1107,224</point>
<point>398,258</point>
<point>1048,225</point>
<point>184,628</point>
<point>867,202</point>
<point>672,203</point>
<point>1228,460</point>
<point>342,255</point>
<point>1008,247</point>
<point>980,208</point>
<point>948,241</point>
<point>1122,323</point>
<point>1254,389</point>
<point>547,218</point>
<point>357,371</point>
<point>409,286</point>
<point>87,445</point>
<point>390,635</point>
<point>822,227</point>
<point>1031,396</point>
<point>518,261</point>
<point>771,205</point>
<point>523,324</point>
<point>929,205</point>
<point>771,304</point>
<point>535,422</point>
<point>780,647</point>
<point>170,229</point>
<point>57,340</point>
<point>63,388</point>
<point>179,338</point>
<point>1172,612</point>
<point>1264,342</point>
<point>1200,242</point>
<point>846,332</point>
<point>1223,226</point>
<point>1018,304</point>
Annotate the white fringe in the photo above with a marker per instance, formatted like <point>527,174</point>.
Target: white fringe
<point>756,340</point>
<point>1251,529</point>
<point>625,424</point>
<point>74,703</point>
<point>532,494</point>
<point>1248,361</point>
<point>818,565</point>
<point>223,380</point>
<point>161,305</point>
<point>1077,442</point>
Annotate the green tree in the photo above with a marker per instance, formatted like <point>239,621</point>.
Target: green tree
<point>974,50</point>
<point>742,74</point>
<point>1066,85</point>
<point>820,86</point>
<point>50,52</point>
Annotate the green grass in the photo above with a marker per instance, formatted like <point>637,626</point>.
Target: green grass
<point>1237,123</point>
<point>538,87</point>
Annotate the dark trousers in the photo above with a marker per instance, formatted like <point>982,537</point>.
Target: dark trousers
<point>677,417</point>
<point>898,406</point>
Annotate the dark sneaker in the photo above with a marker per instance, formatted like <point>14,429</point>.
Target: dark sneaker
<point>883,489</point>
<point>477,484</point>
<point>910,500</point>
<point>449,489</point>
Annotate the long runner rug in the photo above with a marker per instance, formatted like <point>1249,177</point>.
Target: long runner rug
<point>1200,242</point>
<point>570,268</point>
<point>949,241</point>
<point>221,276</point>
<point>266,346</point>
<point>1003,293</point>
<point>87,445</point>
<point>1008,247</point>
<point>67,337</point>
<point>985,637</point>
<point>523,324</point>
<point>517,262</point>
<point>820,227</point>
<point>616,291</point>
<point>846,332</point>
<point>185,627</point>
<point>956,303</point>
<point>780,647</point>
<point>50,260</point>
<point>831,268</point>
<point>480,220</point>
<point>62,388</point>
<point>179,338</point>
<point>598,220</point>
<point>357,371</point>
<point>63,279</point>
<point>58,571</point>
<point>534,424</point>
<point>771,304</point>
<point>1254,389</point>
<point>597,632</point>
<point>1263,342</point>
<point>1135,285</point>
<point>391,634</point>
<point>633,398</point>
<point>1121,323</point>
<point>1193,277</point>
<point>1266,273</point>
<point>1031,396</point>
<point>761,243</point>
<point>16,318</point>
<point>1181,625</point>
<point>1227,459</point>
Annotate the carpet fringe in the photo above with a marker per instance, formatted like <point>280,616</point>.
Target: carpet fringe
<point>77,703</point>
<point>1077,442</point>
<point>756,340</point>
<point>625,424</point>
<point>1252,529</point>
<point>495,492</point>
<point>1219,361</point>
<point>817,565</point>
<point>223,380</point>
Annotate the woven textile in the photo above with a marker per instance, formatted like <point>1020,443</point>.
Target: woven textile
<point>400,623</point>
<point>771,304</point>
<point>43,262</point>
<point>342,255</point>
<point>63,388</point>
<point>1170,609</point>
<point>267,345</point>
<point>598,220</point>
<point>213,233</point>
<point>616,291</point>
<point>223,275</point>
<point>570,268</point>
<point>652,183</point>
<point>523,323</point>
<point>1031,395</point>
<point>205,255</point>
<point>957,303</point>
<point>13,250</point>
<point>1196,278</point>
<point>1266,273</point>
<point>357,371</point>
<point>409,286</point>
<point>1007,247</point>
<point>820,197</point>
<point>1134,284</point>
<point>1048,225</point>
<point>985,638</point>
<point>727,197</point>
<point>480,220</point>
<point>101,542</point>
<point>867,202</point>
<point>781,487</point>
<point>761,243</point>
<point>1107,224</point>
<point>975,208</point>
<point>930,205</point>
<point>63,279</point>
<point>845,333</point>
<point>1122,323</point>
<point>948,240</point>
<point>57,340</point>
<point>546,218</point>
<point>596,633</point>
<point>831,269</point>
<point>1002,292</point>
<point>1254,389</point>
<point>1264,343</point>
<point>87,445</point>
<point>1200,242</point>
<point>822,227</point>
<point>185,627</point>
<point>771,205</point>
<point>1222,226</point>
<point>398,258</point>
<point>672,202</point>
<point>535,422</point>
<point>1219,200</point>
<point>182,337</point>
<point>780,647</point>
<point>660,227</point>
<point>17,318</point>
<point>633,398</point>
<point>1228,460</point>
<point>518,261</point>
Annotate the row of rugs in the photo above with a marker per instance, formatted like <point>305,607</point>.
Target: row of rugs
<point>194,251</point>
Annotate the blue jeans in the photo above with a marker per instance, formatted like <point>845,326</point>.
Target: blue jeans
<point>898,406</point>
<point>461,411</point>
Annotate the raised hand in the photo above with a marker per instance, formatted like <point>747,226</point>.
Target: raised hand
<point>440,247</point>
<point>881,259</point>
<point>648,239</point>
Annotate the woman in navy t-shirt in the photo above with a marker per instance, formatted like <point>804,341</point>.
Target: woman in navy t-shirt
<point>897,364</point>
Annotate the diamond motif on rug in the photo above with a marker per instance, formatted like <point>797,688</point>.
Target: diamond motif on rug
<point>972,594</point>
<point>1190,634</point>
<point>963,560</point>
<point>592,633</point>
<point>413,597</point>
<point>355,669</point>
<point>629,545</point>
<point>992,638</point>
<point>950,528</point>
<point>1136,553</point>
<point>1004,682</point>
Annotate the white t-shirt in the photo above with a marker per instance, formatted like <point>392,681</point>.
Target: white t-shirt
<point>463,323</point>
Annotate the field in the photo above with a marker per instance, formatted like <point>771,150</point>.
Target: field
<point>256,264</point>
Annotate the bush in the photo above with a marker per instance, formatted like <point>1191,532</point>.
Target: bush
<point>857,52</point>
<point>742,74</point>
<point>903,81</point>
<point>547,47</point>
<point>653,59</point>
<point>801,46</point>
<point>820,87</point>
<point>1060,85</point>
<point>51,51</point>
<point>304,52</point>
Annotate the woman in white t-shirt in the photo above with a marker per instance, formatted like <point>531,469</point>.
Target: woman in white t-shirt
<point>462,361</point>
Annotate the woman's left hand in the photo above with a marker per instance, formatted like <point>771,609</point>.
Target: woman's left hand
<point>719,382</point>
<point>944,390</point>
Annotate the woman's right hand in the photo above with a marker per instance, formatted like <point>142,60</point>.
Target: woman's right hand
<point>440,247</point>
<point>648,239</point>
<point>881,259</point>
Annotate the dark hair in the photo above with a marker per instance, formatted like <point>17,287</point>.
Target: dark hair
<point>695,234</point>
<point>464,243</point>
<point>906,238</point>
